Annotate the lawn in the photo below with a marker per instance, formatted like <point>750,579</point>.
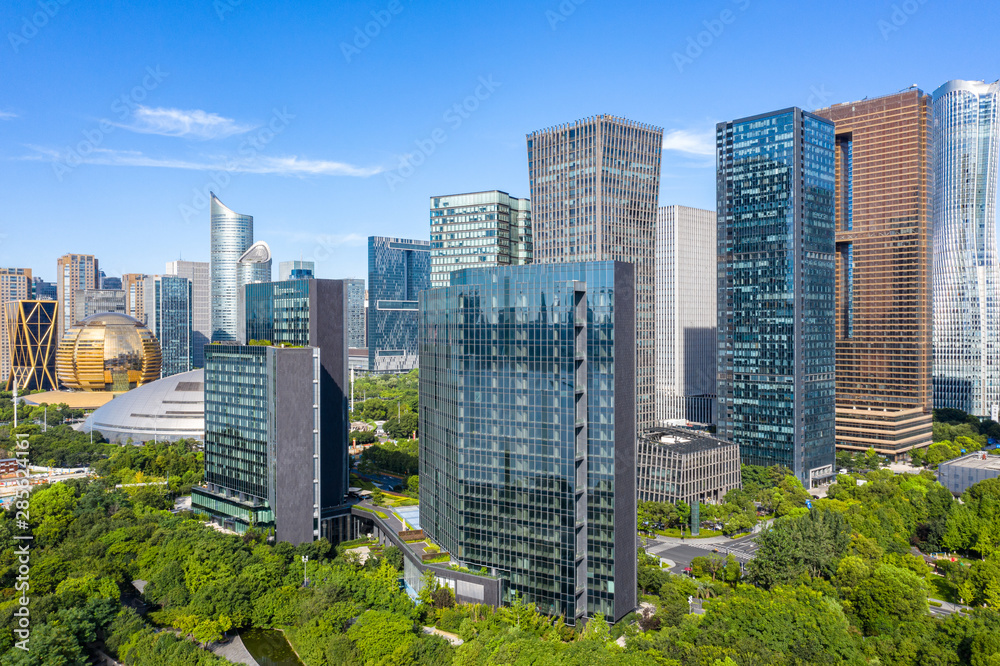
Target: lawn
<point>941,589</point>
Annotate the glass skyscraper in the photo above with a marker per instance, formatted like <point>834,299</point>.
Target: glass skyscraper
<point>966,141</point>
<point>776,277</point>
<point>89,302</point>
<point>595,188</point>
<point>201,299</point>
<point>476,230</point>
<point>527,431</point>
<point>311,313</point>
<point>356,338</point>
<point>398,270</point>
<point>168,316</point>
<point>231,236</point>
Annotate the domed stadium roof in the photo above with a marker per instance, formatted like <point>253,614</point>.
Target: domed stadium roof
<point>169,409</point>
<point>108,352</point>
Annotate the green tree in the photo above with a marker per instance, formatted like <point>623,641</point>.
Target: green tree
<point>889,597</point>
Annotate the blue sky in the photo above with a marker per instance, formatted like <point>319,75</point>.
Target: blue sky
<point>117,117</point>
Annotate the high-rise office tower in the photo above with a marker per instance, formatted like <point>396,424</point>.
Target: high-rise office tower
<point>311,313</point>
<point>398,270</point>
<point>133,284</point>
<point>296,270</point>
<point>478,229</point>
<point>231,237</point>
<point>299,313</point>
<point>595,186</point>
<point>255,264</point>
<point>168,311</point>
<point>261,447</point>
<point>43,291</point>
<point>527,431</point>
<point>201,305</point>
<point>73,273</point>
<point>776,279</point>
<point>686,316</point>
<point>966,144</point>
<point>31,329</point>
<point>89,302</point>
<point>355,313</point>
<point>884,189</point>
<point>15,285</point>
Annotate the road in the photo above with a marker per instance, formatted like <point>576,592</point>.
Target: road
<point>383,481</point>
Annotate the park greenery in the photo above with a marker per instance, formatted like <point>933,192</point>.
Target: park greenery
<point>378,397</point>
<point>840,583</point>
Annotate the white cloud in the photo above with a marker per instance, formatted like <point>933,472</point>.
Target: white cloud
<point>196,123</point>
<point>7,115</point>
<point>686,141</point>
<point>290,165</point>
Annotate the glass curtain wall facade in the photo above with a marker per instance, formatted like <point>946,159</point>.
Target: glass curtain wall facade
<point>15,285</point>
<point>478,229</point>
<point>262,440</point>
<point>527,432</point>
<point>356,338</point>
<point>595,187</point>
<point>311,313</point>
<point>398,270</point>
<point>685,315</point>
<point>231,236</point>
<point>31,329</point>
<point>295,270</point>
<point>884,218</point>
<point>966,140</point>
<point>201,305</point>
<point>776,277</point>
<point>74,272</point>
<point>168,316</point>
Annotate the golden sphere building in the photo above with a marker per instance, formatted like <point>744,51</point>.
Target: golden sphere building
<point>108,352</point>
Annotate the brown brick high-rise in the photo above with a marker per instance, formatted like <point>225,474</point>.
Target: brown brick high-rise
<point>884,308</point>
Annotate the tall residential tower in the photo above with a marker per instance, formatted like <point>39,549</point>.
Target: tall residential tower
<point>595,186</point>
<point>776,277</point>
<point>74,272</point>
<point>15,285</point>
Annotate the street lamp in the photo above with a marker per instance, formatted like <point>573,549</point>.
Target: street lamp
<point>305,570</point>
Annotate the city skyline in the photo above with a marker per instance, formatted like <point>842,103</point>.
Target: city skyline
<point>292,205</point>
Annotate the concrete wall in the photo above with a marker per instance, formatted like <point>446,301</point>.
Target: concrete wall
<point>625,441</point>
